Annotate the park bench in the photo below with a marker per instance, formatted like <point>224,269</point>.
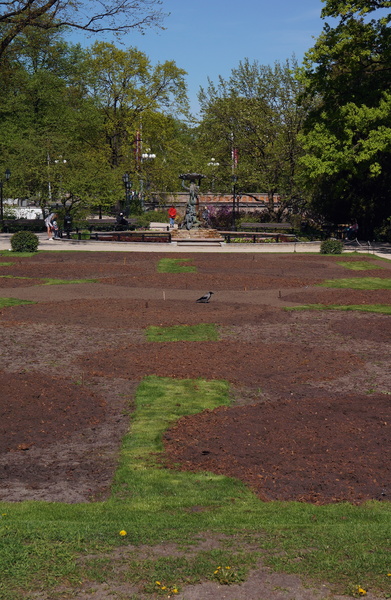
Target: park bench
<point>267,226</point>
<point>261,231</point>
<point>130,236</point>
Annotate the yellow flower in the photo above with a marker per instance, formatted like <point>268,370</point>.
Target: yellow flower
<point>123,532</point>
<point>164,587</point>
<point>361,591</point>
<point>175,591</point>
<point>227,567</point>
<point>157,582</point>
<point>215,573</point>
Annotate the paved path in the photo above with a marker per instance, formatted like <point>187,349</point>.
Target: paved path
<point>383,250</point>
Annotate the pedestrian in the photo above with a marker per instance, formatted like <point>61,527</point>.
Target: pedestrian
<point>172,215</point>
<point>56,231</point>
<point>121,222</point>
<point>49,224</point>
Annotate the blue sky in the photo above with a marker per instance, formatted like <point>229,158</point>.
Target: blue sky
<point>208,38</point>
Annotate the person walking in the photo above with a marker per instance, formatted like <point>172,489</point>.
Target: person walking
<point>49,224</point>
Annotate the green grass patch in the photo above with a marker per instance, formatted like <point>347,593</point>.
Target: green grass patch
<point>203,332</point>
<point>17,254</point>
<point>6,264</point>
<point>5,302</point>
<point>175,265</point>
<point>384,309</point>
<point>45,545</point>
<point>51,281</point>
<point>359,265</point>
<point>358,283</point>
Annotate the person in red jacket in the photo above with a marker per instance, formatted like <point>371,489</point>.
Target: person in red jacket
<point>172,215</point>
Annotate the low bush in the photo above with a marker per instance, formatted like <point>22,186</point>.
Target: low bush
<point>24,241</point>
<point>331,247</point>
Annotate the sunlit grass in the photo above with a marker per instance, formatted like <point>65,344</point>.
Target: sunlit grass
<point>41,543</point>
<point>50,280</point>
<point>384,309</point>
<point>191,333</point>
<point>5,302</point>
<point>175,265</point>
<point>359,283</point>
<point>359,265</point>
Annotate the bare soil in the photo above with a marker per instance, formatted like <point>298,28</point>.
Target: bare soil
<point>311,411</point>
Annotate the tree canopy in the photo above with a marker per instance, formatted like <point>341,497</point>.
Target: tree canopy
<point>347,134</point>
<point>117,16</point>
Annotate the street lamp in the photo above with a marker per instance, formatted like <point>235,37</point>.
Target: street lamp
<point>128,185</point>
<point>234,182</point>
<point>7,176</point>
<point>213,164</point>
<point>146,156</point>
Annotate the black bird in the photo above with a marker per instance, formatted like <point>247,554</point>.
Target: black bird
<point>206,298</point>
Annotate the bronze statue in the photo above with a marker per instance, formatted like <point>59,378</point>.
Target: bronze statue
<point>191,220</point>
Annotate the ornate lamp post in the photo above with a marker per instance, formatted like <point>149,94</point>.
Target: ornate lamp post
<point>213,164</point>
<point>7,176</point>
<point>128,185</point>
<point>145,157</point>
<point>234,182</point>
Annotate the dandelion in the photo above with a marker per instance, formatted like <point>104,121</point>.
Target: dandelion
<point>361,591</point>
<point>123,532</point>
<point>157,582</point>
<point>164,587</point>
<point>174,591</point>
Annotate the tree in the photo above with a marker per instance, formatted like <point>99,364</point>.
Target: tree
<point>118,16</point>
<point>348,134</point>
<point>124,85</point>
<point>255,114</point>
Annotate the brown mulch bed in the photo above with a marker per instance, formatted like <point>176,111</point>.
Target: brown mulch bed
<point>310,419</point>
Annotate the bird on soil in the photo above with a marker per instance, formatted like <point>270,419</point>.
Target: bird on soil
<point>206,298</point>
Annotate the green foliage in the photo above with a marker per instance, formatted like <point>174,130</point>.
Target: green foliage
<point>196,333</point>
<point>24,241</point>
<point>255,111</point>
<point>331,247</point>
<point>155,216</point>
<point>347,134</point>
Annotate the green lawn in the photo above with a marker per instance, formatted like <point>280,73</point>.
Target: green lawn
<point>175,265</point>
<point>376,308</point>
<point>359,265</point>
<point>359,283</point>
<point>189,333</point>
<point>41,544</point>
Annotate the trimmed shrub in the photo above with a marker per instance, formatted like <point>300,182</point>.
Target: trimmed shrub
<point>331,247</point>
<point>24,241</point>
